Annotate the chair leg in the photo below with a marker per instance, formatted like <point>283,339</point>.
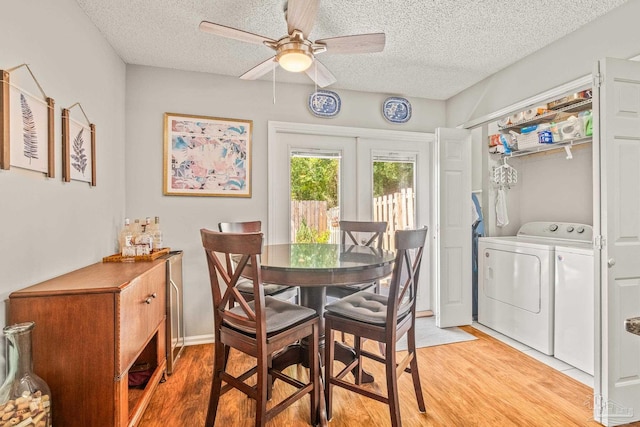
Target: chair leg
<point>269,376</point>
<point>227,349</point>
<point>415,374</point>
<point>219,362</point>
<point>357,347</point>
<point>262,389</point>
<point>328,365</point>
<point>392,386</point>
<point>314,376</point>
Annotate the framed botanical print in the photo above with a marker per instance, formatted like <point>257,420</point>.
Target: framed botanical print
<point>78,149</point>
<point>207,156</point>
<point>26,128</point>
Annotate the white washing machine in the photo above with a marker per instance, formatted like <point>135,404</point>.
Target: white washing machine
<point>574,306</point>
<point>516,276</point>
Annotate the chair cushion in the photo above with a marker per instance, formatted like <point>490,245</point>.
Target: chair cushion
<point>246,287</point>
<point>359,286</point>
<point>342,291</point>
<point>365,307</point>
<point>279,314</point>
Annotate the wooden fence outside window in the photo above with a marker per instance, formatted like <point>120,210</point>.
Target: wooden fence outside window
<point>398,209</point>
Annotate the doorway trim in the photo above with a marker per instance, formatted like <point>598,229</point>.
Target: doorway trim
<point>275,128</point>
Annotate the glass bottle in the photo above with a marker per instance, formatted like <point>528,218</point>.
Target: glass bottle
<point>126,240</point>
<point>144,241</point>
<point>148,237</point>
<point>137,229</point>
<point>25,399</point>
<point>157,235</point>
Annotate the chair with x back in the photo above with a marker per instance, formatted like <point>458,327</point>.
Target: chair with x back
<point>371,234</point>
<point>258,328</point>
<point>383,319</point>
<point>245,286</point>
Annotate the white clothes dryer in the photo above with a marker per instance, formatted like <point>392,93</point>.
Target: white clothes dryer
<point>516,276</point>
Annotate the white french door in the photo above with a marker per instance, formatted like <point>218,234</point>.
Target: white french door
<point>452,264</point>
<point>617,229</point>
<point>412,213</point>
<point>358,150</point>
<point>289,145</point>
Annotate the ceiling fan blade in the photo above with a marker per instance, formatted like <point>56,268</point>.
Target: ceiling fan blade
<point>301,15</point>
<point>320,74</point>
<point>261,69</point>
<point>233,33</point>
<point>360,43</point>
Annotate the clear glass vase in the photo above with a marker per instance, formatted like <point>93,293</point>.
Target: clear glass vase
<point>25,399</point>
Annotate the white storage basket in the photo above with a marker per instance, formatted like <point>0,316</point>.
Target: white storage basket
<point>527,141</point>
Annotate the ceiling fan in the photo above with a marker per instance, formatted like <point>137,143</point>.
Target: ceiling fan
<point>295,52</point>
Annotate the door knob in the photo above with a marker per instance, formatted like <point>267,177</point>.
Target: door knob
<point>611,262</point>
<point>632,325</point>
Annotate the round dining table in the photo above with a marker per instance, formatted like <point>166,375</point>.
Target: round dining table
<point>313,267</point>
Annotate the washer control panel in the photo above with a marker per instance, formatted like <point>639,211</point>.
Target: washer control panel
<point>557,230</point>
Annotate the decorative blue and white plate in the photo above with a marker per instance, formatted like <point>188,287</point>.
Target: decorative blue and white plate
<point>396,110</point>
<point>324,103</point>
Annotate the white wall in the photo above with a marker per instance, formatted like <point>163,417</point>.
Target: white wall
<point>153,91</point>
<point>549,188</point>
<point>48,227</point>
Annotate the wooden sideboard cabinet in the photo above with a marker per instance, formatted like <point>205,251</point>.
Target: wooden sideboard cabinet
<point>92,326</point>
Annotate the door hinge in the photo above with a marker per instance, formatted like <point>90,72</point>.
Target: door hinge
<point>599,406</point>
<point>597,80</point>
<point>599,242</point>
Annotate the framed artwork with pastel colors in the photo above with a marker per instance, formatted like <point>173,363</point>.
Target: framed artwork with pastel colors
<point>206,156</point>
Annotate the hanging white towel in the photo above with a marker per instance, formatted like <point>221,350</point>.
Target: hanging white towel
<point>502,218</point>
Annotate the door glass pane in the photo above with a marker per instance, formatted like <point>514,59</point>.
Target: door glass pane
<point>394,194</point>
<point>315,197</point>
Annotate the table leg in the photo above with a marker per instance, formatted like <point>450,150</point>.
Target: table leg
<point>315,298</point>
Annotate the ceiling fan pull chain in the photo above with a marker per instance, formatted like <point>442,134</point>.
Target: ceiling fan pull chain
<point>274,83</point>
<point>315,80</point>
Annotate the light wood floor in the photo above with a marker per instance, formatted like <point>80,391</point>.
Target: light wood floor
<point>475,383</point>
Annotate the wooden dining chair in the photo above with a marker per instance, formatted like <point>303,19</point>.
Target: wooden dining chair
<point>384,319</point>
<point>258,328</point>
<point>364,233</point>
<point>245,286</point>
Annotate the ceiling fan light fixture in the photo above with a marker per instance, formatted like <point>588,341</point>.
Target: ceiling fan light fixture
<point>295,60</point>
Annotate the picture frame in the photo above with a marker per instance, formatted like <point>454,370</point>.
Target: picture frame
<point>206,156</point>
<point>78,148</point>
<point>26,127</point>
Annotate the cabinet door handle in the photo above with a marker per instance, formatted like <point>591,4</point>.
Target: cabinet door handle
<point>150,298</point>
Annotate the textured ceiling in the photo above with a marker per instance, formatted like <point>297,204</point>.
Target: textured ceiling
<point>434,48</point>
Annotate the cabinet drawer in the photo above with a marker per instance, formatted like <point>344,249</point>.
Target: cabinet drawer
<point>142,309</point>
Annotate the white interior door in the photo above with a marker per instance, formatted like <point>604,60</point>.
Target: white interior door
<point>370,151</point>
<point>452,272</point>
<point>617,385</point>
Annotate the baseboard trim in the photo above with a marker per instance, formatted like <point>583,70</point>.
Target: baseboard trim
<point>199,340</point>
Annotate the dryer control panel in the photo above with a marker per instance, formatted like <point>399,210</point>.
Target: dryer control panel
<point>557,230</point>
